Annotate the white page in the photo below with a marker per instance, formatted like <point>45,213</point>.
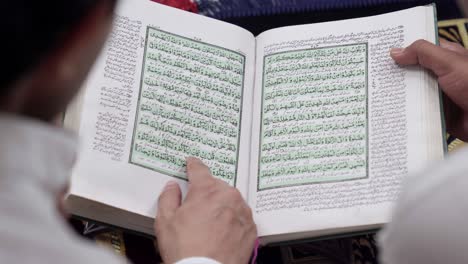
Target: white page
<point>106,170</point>
<point>391,109</point>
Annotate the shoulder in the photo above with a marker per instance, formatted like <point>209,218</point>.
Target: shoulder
<point>428,221</point>
<point>444,177</point>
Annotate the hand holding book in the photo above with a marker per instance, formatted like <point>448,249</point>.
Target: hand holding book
<point>212,221</point>
<point>315,125</point>
<point>448,62</point>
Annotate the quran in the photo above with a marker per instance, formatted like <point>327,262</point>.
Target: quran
<point>314,124</point>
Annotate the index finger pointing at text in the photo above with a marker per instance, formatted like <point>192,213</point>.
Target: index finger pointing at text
<point>198,173</point>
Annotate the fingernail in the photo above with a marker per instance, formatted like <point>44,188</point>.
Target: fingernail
<point>169,185</point>
<point>396,51</point>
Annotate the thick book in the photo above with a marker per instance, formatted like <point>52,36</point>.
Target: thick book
<point>314,124</point>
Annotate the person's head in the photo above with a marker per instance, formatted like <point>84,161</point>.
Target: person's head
<point>47,49</point>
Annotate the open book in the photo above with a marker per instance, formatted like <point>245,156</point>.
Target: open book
<point>314,124</point>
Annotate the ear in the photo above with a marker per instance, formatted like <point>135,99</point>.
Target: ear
<point>52,85</point>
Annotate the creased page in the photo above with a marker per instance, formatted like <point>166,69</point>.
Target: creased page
<point>169,84</point>
<point>337,124</point>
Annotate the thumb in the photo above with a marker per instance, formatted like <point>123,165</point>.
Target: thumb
<point>439,60</point>
<point>169,200</point>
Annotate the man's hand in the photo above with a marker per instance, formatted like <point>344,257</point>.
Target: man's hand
<point>213,221</point>
<point>449,63</point>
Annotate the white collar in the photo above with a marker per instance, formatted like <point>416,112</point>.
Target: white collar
<point>34,151</point>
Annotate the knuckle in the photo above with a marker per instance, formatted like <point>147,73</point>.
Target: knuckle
<point>249,214</point>
<point>421,46</point>
<point>420,43</point>
<point>233,194</point>
<point>212,185</point>
<point>220,183</point>
<point>211,190</point>
<point>228,215</point>
<point>200,167</point>
<point>207,189</point>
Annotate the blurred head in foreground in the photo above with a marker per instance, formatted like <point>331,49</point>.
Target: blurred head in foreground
<point>47,49</point>
<point>463,5</point>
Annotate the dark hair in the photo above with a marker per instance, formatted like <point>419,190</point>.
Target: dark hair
<point>31,29</point>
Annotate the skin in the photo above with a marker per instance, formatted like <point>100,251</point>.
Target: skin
<point>213,220</point>
<point>449,63</point>
<point>463,5</point>
<point>45,91</point>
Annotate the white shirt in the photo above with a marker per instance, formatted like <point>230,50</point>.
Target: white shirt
<point>428,225</point>
<point>35,164</point>
<point>431,215</point>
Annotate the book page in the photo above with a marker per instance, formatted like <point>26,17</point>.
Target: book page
<point>168,84</point>
<point>337,124</point>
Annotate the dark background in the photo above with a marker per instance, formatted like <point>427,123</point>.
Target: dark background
<point>268,16</point>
